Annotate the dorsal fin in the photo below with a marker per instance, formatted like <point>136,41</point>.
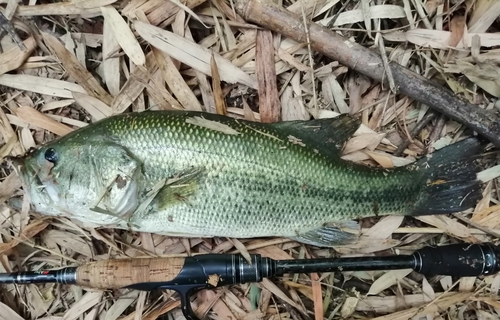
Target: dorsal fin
<point>325,135</point>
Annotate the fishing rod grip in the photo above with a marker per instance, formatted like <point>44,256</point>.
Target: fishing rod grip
<point>119,273</point>
<point>210,270</point>
<point>460,260</point>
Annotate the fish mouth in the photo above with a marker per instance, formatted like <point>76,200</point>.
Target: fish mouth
<point>18,165</point>
<point>26,172</point>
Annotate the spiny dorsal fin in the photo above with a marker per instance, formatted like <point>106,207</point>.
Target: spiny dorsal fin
<point>326,135</point>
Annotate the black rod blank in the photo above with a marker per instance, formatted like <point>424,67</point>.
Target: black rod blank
<point>460,260</point>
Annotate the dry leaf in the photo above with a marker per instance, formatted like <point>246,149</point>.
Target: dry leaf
<point>387,280</point>
<point>334,94</point>
<point>384,160</point>
<point>9,186</point>
<point>176,82</point>
<point>28,232</point>
<point>483,15</point>
<point>52,87</point>
<point>367,140</point>
<point>348,307</point>
<point>39,119</point>
<point>76,70</point>
<point>89,300</point>
<point>110,66</point>
<point>449,226</point>
<point>6,313</point>
<point>427,291</point>
<point>95,107</point>
<point>192,54</point>
<point>276,291</point>
<point>15,57</point>
<point>485,74</point>
<point>292,107</point>
<point>220,103</point>
<point>367,245</point>
<point>439,39</point>
<point>457,30</point>
<point>124,35</point>
<point>83,7</point>
<point>466,284</point>
<point>431,308</point>
<point>136,84</point>
<point>242,249</point>
<point>384,228</point>
<point>69,241</point>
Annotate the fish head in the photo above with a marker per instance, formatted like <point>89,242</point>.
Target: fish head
<point>91,180</point>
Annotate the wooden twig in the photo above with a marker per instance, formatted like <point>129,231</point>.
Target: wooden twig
<point>363,60</point>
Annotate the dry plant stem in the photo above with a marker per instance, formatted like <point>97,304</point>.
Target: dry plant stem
<point>423,122</point>
<point>438,128</point>
<point>476,225</point>
<point>369,63</point>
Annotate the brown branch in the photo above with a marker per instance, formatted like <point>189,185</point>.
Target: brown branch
<point>369,63</point>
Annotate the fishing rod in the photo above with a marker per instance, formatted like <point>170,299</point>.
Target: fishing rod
<point>206,271</point>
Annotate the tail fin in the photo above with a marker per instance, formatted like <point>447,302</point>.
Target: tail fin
<point>451,179</point>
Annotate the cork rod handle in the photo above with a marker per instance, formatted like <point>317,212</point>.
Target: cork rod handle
<point>112,274</point>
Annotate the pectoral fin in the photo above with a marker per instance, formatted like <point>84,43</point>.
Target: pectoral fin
<point>180,188</point>
<point>340,233</point>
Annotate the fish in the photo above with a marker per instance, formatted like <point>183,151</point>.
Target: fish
<point>198,174</point>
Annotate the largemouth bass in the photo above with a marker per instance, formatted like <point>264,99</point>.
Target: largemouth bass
<point>196,174</point>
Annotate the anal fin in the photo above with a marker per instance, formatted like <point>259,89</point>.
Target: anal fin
<point>339,233</point>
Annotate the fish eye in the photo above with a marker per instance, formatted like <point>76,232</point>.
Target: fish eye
<point>51,155</point>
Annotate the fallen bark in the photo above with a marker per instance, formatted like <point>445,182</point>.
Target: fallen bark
<point>369,63</point>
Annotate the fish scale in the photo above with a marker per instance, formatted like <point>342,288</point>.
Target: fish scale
<point>238,178</point>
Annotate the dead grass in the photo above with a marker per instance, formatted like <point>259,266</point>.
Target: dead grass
<point>89,59</point>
